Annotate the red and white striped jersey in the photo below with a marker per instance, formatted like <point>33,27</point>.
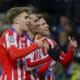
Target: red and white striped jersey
<point>33,61</point>
<point>39,63</point>
<point>48,74</point>
<point>64,58</point>
<point>16,71</point>
<point>39,59</point>
<point>48,68</point>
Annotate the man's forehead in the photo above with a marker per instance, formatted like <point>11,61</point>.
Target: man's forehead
<point>41,20</point>
<point>33,16</point>
<point>23,14</point>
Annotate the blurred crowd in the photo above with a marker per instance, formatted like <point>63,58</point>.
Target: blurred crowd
<point>61,31</point>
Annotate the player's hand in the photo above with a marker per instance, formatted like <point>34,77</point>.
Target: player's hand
<point>46,46</point>
<point>39,42</point>
<point>72,42</point>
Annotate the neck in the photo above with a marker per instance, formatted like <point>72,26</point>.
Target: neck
<point>17,28</point>
<point>40,36</point>
<point>30,34</point>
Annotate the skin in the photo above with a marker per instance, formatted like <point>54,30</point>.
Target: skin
<point>43,27</point>
<point>37,25</point>
<point>20,22</point>
<point>32,19</point>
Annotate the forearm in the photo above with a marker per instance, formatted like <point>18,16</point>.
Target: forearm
<point>16,53</point>
<point>44,67</point>
<point>66,58</point>
<point>38,62</point>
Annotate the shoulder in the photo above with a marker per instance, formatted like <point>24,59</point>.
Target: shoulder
<point>8,32</point>
<point>9,36</point>
<point>51,40</point>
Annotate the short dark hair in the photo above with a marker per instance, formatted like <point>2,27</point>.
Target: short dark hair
<point>13,12</point>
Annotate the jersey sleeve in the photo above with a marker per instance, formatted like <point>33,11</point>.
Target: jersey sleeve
<point>52,42</point>
<point>16,53</point>
<point>44,67</point>
<point>9,39</point>
<point>66,58</point>
<point>4,58</point>
<point>36,63</point>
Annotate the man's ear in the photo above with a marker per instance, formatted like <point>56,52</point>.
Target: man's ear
<point>15,21</point>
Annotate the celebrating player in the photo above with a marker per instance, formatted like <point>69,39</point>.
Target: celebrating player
<point>14,45</point>
<point>33,64</point>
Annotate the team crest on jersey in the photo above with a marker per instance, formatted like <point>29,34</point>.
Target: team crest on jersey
<point>11,39</point>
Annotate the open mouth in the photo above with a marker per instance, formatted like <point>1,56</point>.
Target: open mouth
<point>46,30</point>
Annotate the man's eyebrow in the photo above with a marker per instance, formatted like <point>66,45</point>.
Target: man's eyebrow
<point>36,20</point>
<point>26,16</point>
<point>29,17</point>
<point>43,23</point>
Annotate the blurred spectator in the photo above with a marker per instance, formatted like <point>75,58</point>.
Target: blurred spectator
<point>3,22</point>
<point>77,55</point>
<point>75,72</point>
<point>3,26</point>
<point>61,32</point>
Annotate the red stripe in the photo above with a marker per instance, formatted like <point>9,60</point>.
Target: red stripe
<point>15,70</point>
<point>44,51</point>
<point>53,74</point>
<point>28,75</point>
<point>49,77</point>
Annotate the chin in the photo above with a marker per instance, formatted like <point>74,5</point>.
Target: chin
<point>47,34</point>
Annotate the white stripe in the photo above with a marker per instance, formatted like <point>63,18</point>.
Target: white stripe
<point>24,71</point>
<point>38,78</point>
<point>1,77</point>
<point>28,42</point>
<point>12,74</point>
<point>61,58</point>
<point>51,43</point>
<point>32,78</point>
<point>51,76</point>
<point>18,61</point>
<point>5,77</point>
<point>46,78</point>
<point>18,69</point>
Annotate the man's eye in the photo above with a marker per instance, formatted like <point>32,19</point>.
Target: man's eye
<point>26,17</point>
<point>43,24</point>
<point>36,20</point>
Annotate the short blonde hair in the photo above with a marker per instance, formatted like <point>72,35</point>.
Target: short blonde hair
<point>15,11</point>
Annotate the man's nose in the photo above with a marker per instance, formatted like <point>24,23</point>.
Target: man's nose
<point>28,20</point>
<point>47,25</point>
